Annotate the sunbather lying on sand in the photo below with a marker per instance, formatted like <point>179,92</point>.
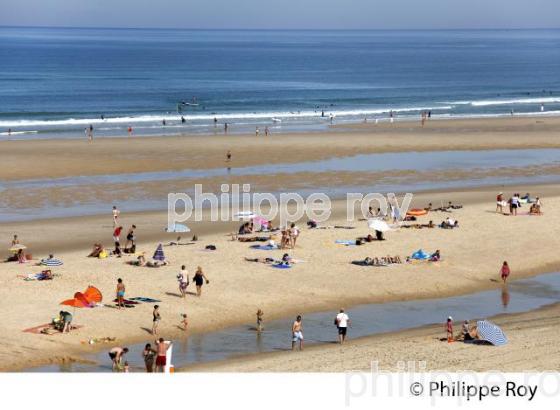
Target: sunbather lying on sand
<point>375,261</point>
<point>156,264</point>
<point>420,226</point>
<point>140,260</point>
<point>235,237</point>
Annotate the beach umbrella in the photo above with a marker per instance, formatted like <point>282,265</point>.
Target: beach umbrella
<point>158,254</point>
<point>491,333</point>
<point>180,228</point>
<point>17,248</point>
<point>51,262</point>
<point>245,215</point>
<point>379,225</point>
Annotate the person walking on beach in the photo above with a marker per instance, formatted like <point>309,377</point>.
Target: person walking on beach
<point>225,127</point>
<point>161,358</point>
<point>183,278</point>
<point>117,240</point>
<point>449,329</point>
<point>117,355</point>
<point>90,132</point>
<point>342,322</point>
<point>129,131</point>
<point>257,131</point>
<point>500,203</point>
<point>294,234</point>
<point>156,318</point>
<point>266,131</point>
<point>149,356</point>
<point>116,214</point>
<point>297,333</point>
<point>228,156</point>
<point>120,293</point>
<point>199,279</point>
<point>505,271</point>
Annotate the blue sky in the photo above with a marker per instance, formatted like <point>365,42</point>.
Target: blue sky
<point>288,14</point>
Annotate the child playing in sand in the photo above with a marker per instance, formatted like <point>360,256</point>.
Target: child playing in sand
<point>184,321</point>
<point>504,271</point>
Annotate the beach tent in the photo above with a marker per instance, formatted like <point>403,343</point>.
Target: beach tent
<point>378,225</point>
<point>158,254</point>
<point>420,254</point>
<point>491,333</point>
<point>88,298</point>
<point>180,228</point>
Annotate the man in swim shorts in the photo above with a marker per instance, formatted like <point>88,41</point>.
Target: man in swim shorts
<point>116,354</point>
<point>161,359</point>
<point>297,333</point>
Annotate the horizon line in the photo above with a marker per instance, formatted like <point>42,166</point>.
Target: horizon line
<point>281,29</point>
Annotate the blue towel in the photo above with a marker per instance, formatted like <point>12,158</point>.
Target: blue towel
<point>264,247</point>
<point>346,242</point>
<point>281,266</point>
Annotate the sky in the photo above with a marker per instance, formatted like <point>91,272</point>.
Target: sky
<point>283,14</point>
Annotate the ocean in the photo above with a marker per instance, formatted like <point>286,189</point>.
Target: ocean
<point>55,82</point>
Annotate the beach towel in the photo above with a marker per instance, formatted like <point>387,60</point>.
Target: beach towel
<point>51,262</point>
<point>128,302</point>
<point>145,300</point>
<point>420,255</point>
<point>264,247</point>
<point>345,242</point>
<point>47,329</point>
<point>281,266</point>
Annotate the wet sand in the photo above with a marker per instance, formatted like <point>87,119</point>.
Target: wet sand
<point>64,158</point>
<point>533,347</point>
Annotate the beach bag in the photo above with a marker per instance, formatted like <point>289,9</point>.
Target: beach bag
<point>211,247</point>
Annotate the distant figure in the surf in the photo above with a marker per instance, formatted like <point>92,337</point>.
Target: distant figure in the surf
<point>266,131</point>
<point>215,122</point>
<point>225,127</point>
<point>257,131</point>
<point>163,122</point>
<point>183,120</point>
<point>129,131</point>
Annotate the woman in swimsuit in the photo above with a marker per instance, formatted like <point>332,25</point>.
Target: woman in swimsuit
<point>156,319</point>
<point>199,279</point>
<point>504,271</point>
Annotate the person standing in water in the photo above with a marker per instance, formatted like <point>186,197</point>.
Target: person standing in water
<point>257,131</point>
<point>342,322</point>
<point>161,359</point>
<point>260,315</point>
<point>505,271</point>
<point>266,132</point>
<point>297,333</point>
<point>225,127</point>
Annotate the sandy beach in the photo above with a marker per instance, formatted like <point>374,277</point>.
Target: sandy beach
<point>326,280</point>
<point>238,288</point>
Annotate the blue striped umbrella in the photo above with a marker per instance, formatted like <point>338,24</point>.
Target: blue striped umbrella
<point>158,254</point>
<point>51,262</point>
<point>491,333</point>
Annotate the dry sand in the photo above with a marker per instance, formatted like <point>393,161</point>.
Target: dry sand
<point>472,253</point>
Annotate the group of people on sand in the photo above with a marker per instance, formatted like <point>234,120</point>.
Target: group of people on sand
<point>467,333</point>
<point>515,202</point>
<point>289,235</point>
<point>199,279</point>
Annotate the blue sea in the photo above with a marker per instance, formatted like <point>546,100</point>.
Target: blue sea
<point>54,82</point>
